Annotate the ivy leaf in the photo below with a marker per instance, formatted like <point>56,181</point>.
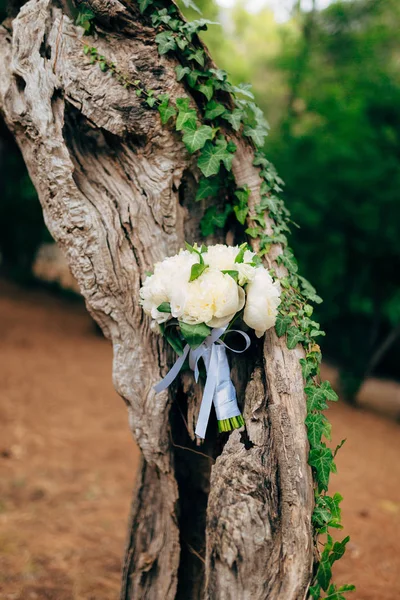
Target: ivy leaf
<point>193,76</point>
<point>181,42</point>
<point>186,116</point>
<point>197,56</point>
<point>166,42</point>
<point>181,72</point>
<point>214,110</point>
<point>317,427</point>
<point>339,548</point>
<point>209,161</point>
<point>143,4</point>
<point>232,273</point>
<point>234,118</point>
<point>207,89</point>
<point>289,260</point>
<point>212,219</point>
<point>194,138</point>
<point>166,111</point>
<point>294,337</point>
<point>84,19</point>
<point>244,90</point>
<point>282,324</point>
<point>241,208</point>
<point>194,334</point>
<point>253,232</point>
<point>322,461</point>
<point>309,291</point>
<point>308,367</point>
<point>256,134</point>
<point>191,4</point>
<point>164,307</point>
<point>315,591</point>
<point>330,394</point>
<point>220,74</point>
<point>197,270</point>
<point>208,187</point>
<point>315,398</point>
<point>324,573</point>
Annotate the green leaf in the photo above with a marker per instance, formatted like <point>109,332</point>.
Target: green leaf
<point>214,110</point>
<point>253,232</point>
<point>186,116</point>
<point>324,573</point>
<point>207,89</point>
<point>234,118</point>
<point>209,161</point>
<point>244,90</point>
<point>197,270</point>
<point>233,274</point>
<point>166,111</point>
<point>166,42</point>
<point>194,334</point>
<point>208,187</point>
<point>171,334</point>
<point>330,394</point>
<point>198,56</point>
<point>164,307</point>
<point>241,207</point>
<point>309,291</point>
<point>257,135</point>
<point>212,219</point>
<point>85,18</point>
<point>315,398</point>
<point>315,591</point>
<point>195,138</point>
<point>143,4</point>
<point>339,548</point>
<point>239,258</point>
<point>317,426</point>
<point>193,76</point>
<point>294,337</point>
<point>181,72</point>
<point>308,367</point>
<point>289,261</point>
<point>282,324</point>
<point>191,4</point>
<point>322,461</point>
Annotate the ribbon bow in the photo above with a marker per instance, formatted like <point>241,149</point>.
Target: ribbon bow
<point>207,349</point>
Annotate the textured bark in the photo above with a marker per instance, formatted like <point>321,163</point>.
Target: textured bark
<point>228,520</point>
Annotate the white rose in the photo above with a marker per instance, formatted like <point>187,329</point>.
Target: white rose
<point>262,301</point>
<point>214,298</point>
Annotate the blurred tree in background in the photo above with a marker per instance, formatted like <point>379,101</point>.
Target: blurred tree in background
<point>329,83</point>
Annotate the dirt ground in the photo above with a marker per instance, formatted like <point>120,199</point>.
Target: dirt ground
<point>67,465</point>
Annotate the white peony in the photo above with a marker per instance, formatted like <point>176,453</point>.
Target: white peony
<point>223,258</point>
<point>214,298</point>
<point>262,301</point>
<point>168,284</point>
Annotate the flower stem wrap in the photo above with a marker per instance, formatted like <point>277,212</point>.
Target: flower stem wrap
<point>219,387</point>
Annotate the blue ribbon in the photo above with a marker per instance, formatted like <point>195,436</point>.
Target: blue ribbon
<point>208,346</point>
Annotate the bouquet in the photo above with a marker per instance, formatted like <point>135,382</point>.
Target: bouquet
<point>193,299</point>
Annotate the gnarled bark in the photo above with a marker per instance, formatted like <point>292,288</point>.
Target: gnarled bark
<point>227,520</point>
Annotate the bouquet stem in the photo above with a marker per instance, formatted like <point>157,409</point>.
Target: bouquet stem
<point>230,424</point>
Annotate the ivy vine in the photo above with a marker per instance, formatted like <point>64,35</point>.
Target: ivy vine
<point>223,107</point>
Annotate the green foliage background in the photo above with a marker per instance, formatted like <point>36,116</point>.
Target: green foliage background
<point>328,81</point>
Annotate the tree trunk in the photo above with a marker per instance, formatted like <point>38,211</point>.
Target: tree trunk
<point>228,520</point>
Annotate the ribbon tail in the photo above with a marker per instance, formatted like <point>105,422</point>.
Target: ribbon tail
<point>173,372</point>
<point>208,394</point>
